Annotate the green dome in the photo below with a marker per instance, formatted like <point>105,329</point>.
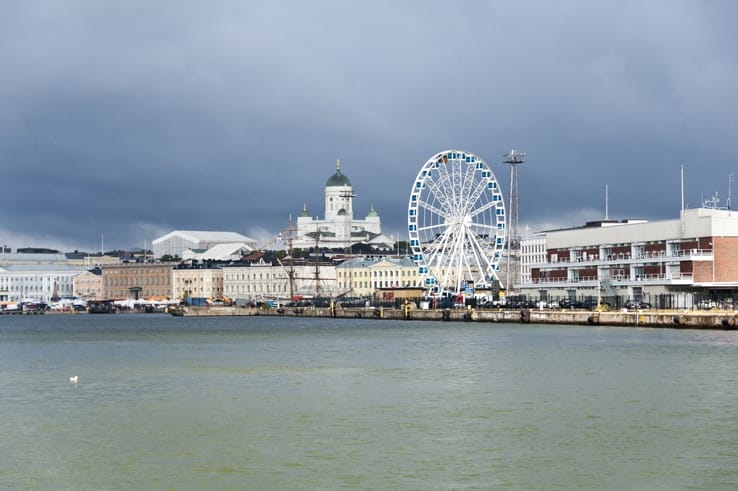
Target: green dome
<point>338,179</point>
<point>372,212</point>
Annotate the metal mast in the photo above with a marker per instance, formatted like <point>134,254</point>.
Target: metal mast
<point>288,235</point>
<point>514,158</point>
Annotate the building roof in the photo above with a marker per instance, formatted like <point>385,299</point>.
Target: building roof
<point>338,179</point>
<point>44,268</point>
<point>372,212</point>
<point>363,262</point>
<point>205,236</point>
<point>220,252</point>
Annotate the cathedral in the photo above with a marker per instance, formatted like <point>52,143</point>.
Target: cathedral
<point>339,229</point>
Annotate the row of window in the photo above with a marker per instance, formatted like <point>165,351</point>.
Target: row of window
<point>252,276</point>
<point>378,284</point>
<point>260,288</point>
<point>375,274</point>
<point>135,281</point>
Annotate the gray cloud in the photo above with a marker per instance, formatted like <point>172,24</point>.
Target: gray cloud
<point>134,118</point>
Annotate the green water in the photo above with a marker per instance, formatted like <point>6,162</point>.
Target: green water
<point>270,403</point>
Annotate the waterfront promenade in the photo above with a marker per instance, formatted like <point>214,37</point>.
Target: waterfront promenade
<point>687,319</point>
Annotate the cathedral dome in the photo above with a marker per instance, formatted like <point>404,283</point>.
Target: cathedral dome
<point>372,212</point>
<point>338,179</point>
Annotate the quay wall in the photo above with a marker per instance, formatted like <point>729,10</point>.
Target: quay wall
<point>644,318</point>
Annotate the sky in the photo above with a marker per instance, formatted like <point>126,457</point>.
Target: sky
<point>123,121</point>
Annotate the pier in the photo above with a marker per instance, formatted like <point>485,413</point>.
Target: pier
<point>680,319</point>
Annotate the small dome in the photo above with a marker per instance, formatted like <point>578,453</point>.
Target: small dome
<point>372,212</point>
<point>338,179</point>
<point>305,212</point>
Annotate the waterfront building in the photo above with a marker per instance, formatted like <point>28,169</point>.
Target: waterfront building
<point>137,280</point>
<point>263,279</point>
<point>532,251</point>
<point>89,285</point>
<point>175,243</point>
<point>198,281</point>
<point>657,262</point>
<point>339,229</point>
<point>42,282</point>
<point>364,276</point>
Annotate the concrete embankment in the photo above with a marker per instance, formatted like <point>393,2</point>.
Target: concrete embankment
<point>691,319</point>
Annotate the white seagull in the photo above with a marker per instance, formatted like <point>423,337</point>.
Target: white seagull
<point>73,379</point>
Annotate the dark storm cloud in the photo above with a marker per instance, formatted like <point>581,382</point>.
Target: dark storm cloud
<point>130,119</point>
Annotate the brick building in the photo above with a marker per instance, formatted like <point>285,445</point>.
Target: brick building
<point>137,280</point>
<point>671,261</point>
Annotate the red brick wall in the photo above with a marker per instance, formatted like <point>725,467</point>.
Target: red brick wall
<point>726,258</point>
<point>702,271</point>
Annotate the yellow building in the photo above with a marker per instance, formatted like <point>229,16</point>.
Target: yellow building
<point>197,282</point>
<point>363,277</point>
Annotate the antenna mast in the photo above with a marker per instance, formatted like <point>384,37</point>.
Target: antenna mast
<point>607,213</point>
<point>514,159</point>
<point>730,187</point>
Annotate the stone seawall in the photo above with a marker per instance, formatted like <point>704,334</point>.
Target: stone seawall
<point>691,319</point>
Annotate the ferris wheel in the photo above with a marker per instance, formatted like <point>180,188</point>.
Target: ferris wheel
<point>456,223</point>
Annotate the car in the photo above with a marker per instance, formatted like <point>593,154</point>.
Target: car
<point>567,303</point>
<point>636,304</point>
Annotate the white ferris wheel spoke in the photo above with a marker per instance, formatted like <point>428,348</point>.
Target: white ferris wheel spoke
<point>433,209</point>
<point>483,208</point>
<point>474,195</point>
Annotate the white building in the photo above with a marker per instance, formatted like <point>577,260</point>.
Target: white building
<point>177,242</point>
<point>339,229</point>
<point>263,280</point>
<point>39,282</point>
<point>660,261</point>
<point>532,251</point>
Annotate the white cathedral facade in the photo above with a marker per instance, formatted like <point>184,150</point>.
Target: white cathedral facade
<point>339,229</point>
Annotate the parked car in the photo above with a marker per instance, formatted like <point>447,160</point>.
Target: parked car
<point>633,304</point>
<point>570,304</point>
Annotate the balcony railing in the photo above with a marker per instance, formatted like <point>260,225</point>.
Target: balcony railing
<point>660,256</point>
<point>614,280</point>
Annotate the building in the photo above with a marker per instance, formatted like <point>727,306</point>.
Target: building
<point>89,285</point>
<point>264,279</point>
<point>198,281</point>
<point>219,252</point>
<point>338,229</point>
<point>532,251</point>
<point>137,280</point>
<point>667,263</point>
<point>37,259</point>
<point>175,243</point>
<point>363,277</point>
<point>43,282</point>
<point>58,258</point>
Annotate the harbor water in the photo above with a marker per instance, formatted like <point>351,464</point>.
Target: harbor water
<point>270,403</point>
